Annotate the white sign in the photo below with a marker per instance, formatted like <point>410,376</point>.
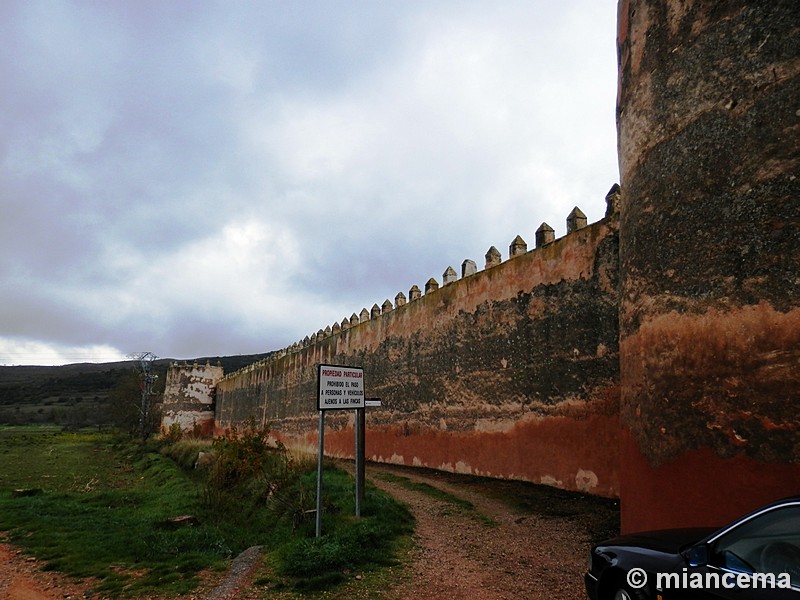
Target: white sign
<point>340,387</point>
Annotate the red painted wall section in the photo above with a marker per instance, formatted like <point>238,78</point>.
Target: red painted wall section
<point>577,454</point>
<point>697,488</point>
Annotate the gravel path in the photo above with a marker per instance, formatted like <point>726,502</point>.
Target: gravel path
<point>239,575</point>
<point>459,556</point>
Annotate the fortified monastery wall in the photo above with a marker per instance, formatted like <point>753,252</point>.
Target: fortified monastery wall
<point>653,355</point>
<point>511,371</point>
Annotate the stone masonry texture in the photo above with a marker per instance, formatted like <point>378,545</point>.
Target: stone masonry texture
<point>709,131</point>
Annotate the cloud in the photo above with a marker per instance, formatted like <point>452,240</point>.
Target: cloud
<point>23,352</point>
<point>230,177</point>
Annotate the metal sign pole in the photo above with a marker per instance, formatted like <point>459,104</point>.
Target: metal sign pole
<point>360,434</point>
<point>319,471</point>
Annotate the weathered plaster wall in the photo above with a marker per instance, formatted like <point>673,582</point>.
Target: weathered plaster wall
<point>508,372</point>
<point>189,392</point>
<point>710,226</point>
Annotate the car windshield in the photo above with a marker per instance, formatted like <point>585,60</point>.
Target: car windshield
<point>766,543</point>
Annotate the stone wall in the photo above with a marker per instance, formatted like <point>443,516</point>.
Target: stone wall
<point>189,392</point>
<point>710,229</point>
<point>654,356</point>
<point>511,371</point>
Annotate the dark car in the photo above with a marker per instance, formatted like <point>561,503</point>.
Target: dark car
<point>756,556</point>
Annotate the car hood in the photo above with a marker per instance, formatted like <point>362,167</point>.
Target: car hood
<point>669,541</point>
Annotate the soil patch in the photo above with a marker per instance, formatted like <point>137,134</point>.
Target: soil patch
<point>532,544</point>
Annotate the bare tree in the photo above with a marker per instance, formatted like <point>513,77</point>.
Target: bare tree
<point>144,365</point>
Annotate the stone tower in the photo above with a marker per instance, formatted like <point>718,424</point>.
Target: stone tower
<point>709,133</point>
<point>189,393</point>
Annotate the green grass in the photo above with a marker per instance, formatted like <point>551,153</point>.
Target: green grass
<point>100,512</point>
<point>103,506</point>
<point>465,506</point>
<point>348,543</point>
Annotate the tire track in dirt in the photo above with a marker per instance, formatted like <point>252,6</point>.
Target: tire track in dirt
<point>458,556</point>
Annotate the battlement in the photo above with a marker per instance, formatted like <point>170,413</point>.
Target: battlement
<point>545,235</point>
<point>520,357</point>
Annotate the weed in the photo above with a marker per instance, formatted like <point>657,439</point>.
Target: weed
<point>424,488</point>
<point>174,433</point>
<point>185,451</point>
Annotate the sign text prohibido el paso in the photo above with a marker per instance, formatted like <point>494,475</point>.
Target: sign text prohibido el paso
<point>340,388</point>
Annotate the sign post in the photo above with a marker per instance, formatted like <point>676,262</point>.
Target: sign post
<point>319,471</point>
<point>340,388</point>
<point>359,470</point>
<point>361,437</point>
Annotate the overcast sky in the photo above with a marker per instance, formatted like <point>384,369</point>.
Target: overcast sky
<point>198,178</point>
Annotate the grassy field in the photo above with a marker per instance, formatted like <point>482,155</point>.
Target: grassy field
<point>92,505</point>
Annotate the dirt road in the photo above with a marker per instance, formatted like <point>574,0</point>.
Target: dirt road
<point>495,551</point>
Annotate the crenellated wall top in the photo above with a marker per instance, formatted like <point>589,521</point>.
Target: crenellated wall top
<point>545,235</point>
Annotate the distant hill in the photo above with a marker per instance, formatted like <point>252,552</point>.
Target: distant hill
<point>80,394</point>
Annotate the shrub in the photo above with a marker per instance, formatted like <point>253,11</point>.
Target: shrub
<point>246,465</point>
<point>173,434</point>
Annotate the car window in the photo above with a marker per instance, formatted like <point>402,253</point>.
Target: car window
<point>767,543</point>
